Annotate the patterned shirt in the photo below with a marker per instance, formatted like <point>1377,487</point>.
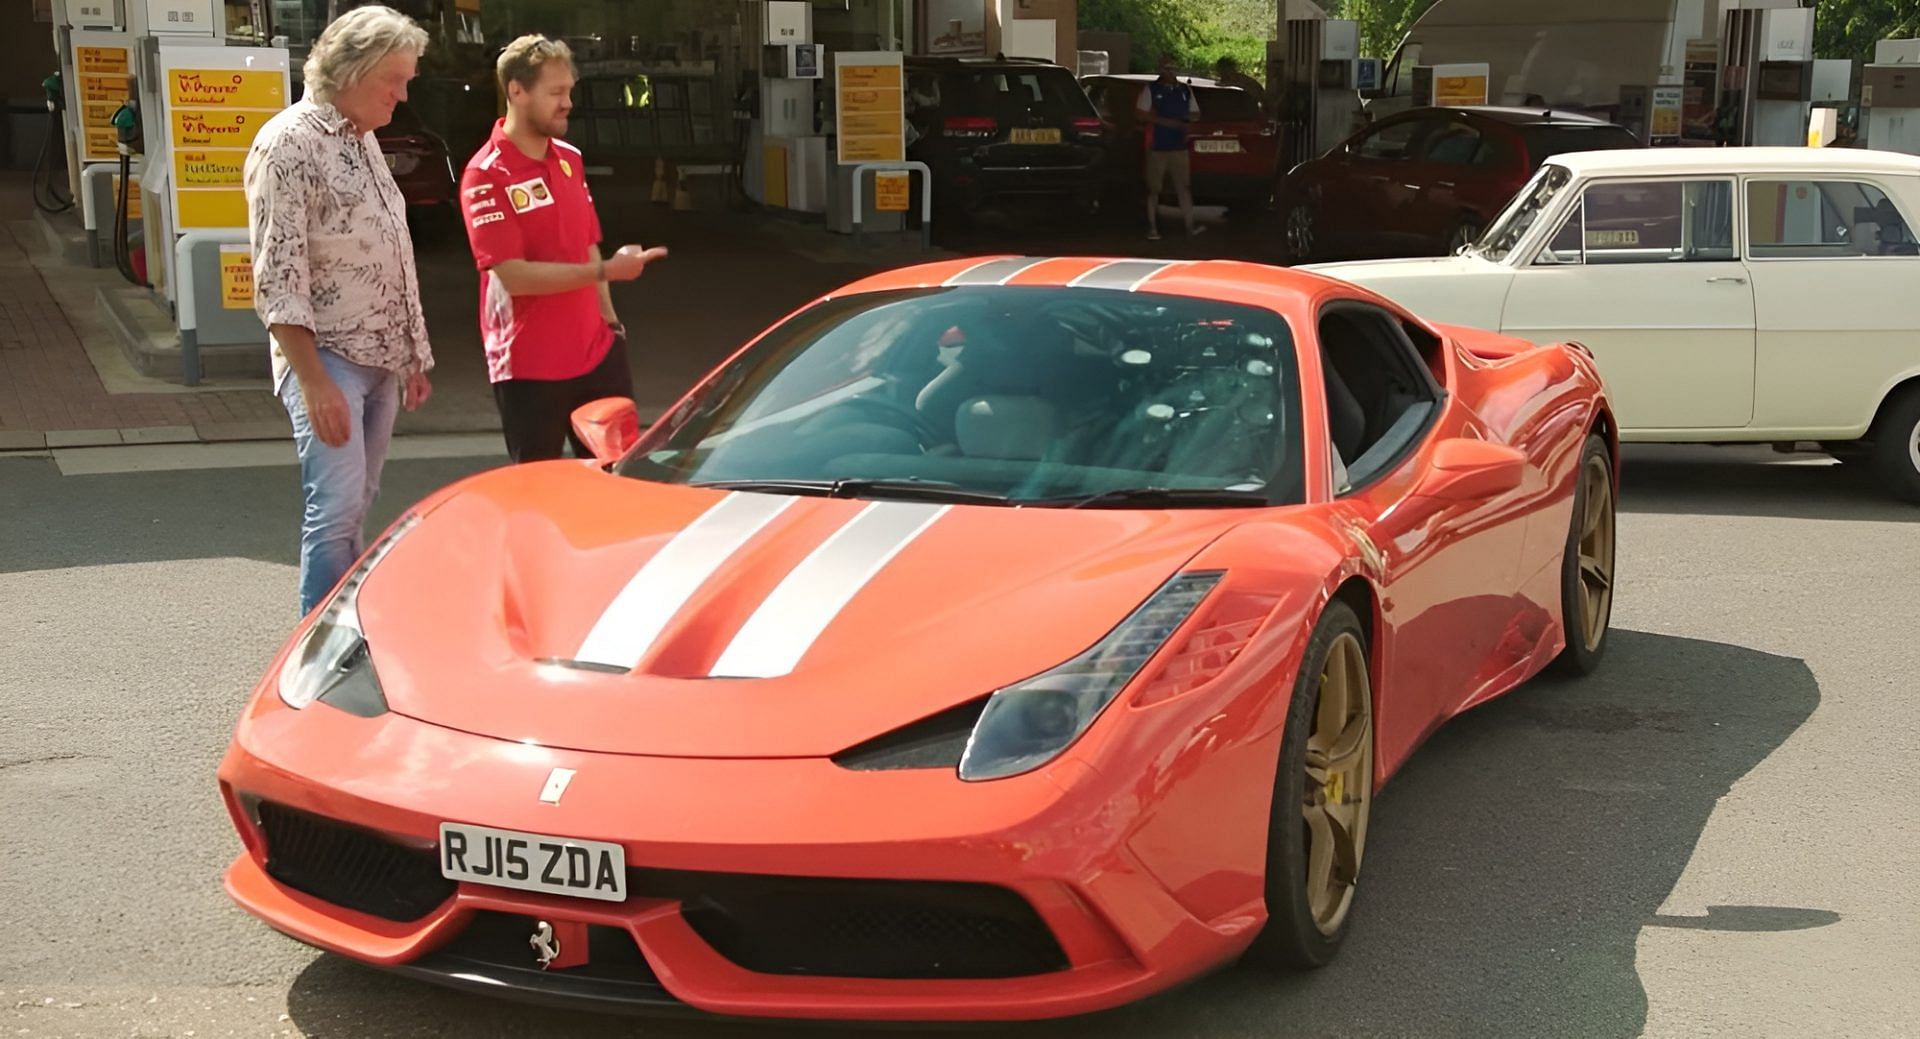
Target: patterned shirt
<point>331,250</point>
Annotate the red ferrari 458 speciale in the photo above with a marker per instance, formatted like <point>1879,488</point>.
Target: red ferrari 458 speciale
<point>991,639</point>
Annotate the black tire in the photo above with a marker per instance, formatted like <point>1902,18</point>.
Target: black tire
<point>1464,232</point>
<point>1896,446</point>
<point>1582,653</point>
<point>1299,234</point>
<point>1291,938</point>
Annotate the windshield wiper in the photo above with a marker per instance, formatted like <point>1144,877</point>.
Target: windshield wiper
<point>1159,497</point>
<point>850,487</point>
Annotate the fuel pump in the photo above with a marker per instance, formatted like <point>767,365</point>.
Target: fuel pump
<point>46,186</point>
<point>128,142</point>
<point>1321,103</point>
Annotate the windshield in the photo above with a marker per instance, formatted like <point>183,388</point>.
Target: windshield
<point>1010,395</point>
<point>1227,105</point>
<point>1511,225</point>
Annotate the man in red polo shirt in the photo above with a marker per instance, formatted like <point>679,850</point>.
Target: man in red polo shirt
<point>553,340</point>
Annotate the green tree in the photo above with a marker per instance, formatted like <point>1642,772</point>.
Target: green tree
<point>1384,23</point>
<point>1850,28</point>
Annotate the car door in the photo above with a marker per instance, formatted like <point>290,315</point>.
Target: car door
<point>1647,275</point>
<point>1451,576</point>
<point>1358,195</point>
<point>1438,213</point>
<point>1834,273</point>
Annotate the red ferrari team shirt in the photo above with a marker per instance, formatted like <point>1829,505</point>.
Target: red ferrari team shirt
<point>520,208</point>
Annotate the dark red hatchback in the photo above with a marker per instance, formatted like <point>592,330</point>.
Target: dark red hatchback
<point>1425,182</point>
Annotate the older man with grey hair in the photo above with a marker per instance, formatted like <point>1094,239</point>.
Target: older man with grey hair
<point>334,279</point>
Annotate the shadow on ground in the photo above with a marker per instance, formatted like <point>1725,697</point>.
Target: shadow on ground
<point>1511,868</point>
<point>1753,481</point>
<point>52,521</point>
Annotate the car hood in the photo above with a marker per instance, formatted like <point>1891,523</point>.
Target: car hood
<point>755,625</point>
<point>1460,290</point>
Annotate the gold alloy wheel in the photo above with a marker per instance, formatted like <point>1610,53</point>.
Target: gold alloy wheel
<point>1596,552</point>
<point>1339,786</point>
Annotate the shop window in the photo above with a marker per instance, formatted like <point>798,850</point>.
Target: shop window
<point>1646,222</point>
<point>1821,219</point>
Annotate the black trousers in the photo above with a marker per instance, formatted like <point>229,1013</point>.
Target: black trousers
<point>537,414</point>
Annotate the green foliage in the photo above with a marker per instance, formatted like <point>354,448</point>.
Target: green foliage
<point>1383,23</point>
<point>1850,28</point>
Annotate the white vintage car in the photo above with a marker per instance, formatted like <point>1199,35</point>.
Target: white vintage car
<point>1729,294</point>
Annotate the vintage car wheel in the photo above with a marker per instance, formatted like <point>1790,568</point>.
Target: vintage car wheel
<point>1896,447</point>
<point>1322,799</point>
<point>1586,575</point>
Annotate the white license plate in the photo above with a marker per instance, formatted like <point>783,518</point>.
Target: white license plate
<point>533,862</point>
<point>1225,147</point>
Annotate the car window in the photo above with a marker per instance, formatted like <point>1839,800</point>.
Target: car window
<point>1378,392</point>
<point>1227,105</point>
<point>1395,141</point>
<point>1013,95</point>
<point>1646,222</point>
<point>1546,140</point>
<point>1807,219</point>
<point>1457,145</point>
<point>1521,212</point>
<point>1024,392</point>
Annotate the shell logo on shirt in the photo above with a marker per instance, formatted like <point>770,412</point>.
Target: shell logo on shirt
<point>529,194</point>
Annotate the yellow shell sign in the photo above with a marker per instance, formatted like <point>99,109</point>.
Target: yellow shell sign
<point>217,99</point>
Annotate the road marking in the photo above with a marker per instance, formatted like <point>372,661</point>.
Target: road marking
<point>252,454</point>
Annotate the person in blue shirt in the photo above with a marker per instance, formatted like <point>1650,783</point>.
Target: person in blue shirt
<point>1168,105</point>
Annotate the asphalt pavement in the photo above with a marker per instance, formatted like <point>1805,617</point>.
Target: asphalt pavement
<point>1713,835</point>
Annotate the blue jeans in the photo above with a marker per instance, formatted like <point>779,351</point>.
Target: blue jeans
<point>339,482</point>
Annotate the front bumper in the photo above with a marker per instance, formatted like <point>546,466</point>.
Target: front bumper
<point>1062,840</point>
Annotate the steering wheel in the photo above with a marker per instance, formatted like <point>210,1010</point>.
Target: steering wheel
<point>915,423</point>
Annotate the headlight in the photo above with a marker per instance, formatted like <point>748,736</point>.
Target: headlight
<point>404,163</point>
<point>331,663</point>
<point>1026,725</point>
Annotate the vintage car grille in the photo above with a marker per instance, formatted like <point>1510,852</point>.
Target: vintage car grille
<point>350,867</point>
<point>861,928</point>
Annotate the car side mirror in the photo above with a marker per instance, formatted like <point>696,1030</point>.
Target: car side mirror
<point>609,427</point>
<point>1465,470</point>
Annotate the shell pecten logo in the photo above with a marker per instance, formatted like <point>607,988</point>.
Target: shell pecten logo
<point>529,194</point>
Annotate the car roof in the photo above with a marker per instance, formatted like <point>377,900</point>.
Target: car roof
<point>1532,116</point>
<point>971,64</point>
<point>1148,77</point>
<point>1680,161</point>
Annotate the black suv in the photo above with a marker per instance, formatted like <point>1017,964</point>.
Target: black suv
<point>992,128</point>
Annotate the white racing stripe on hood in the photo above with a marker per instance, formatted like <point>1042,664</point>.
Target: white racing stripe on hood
<point>642,610</point>
<point>787,624</point>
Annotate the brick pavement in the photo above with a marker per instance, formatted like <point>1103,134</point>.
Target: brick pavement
<point>48,384</point>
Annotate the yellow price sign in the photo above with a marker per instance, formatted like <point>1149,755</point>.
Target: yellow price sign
<point>133,196</point>
<point>892,192</point>
<point>101,61</point>
<point>236,277</point>
<point>870,77</point>
<point>1460,90</point>
<point>200,169</point>
<point>226,88</point>
<point>216,129</point>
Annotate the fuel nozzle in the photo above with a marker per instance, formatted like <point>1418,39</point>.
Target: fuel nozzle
<point>55,96</point>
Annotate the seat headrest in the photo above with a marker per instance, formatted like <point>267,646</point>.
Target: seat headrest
<point>1017,428</point>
